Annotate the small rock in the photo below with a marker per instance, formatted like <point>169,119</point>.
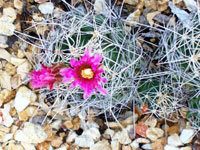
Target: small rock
<point>100,7</point>
<point>159,144</point>
<point>191,5</point>
<point>10,69</point>
<point>31,111</point>
<point>5,118</point>
<point>187,135</point>
<point>6,95</point>
<point>141,129</point>
<point>173,129</point>
<point>31,133</point>
<point>23,98</point>
<point>56,141</point>
<point>168,147</point>
<point>5,55</point>
<point>46,8</point>
<point>186,148</point>
<point>93,133</point>
<point>122,137</point>
<point>18,4</point>
<point>24,69</point>
<point>101,145</point>
<point>150,17</point>
<point>151,122</point>
<point>28,146</point>
<point>41,1</point>
<point>68,124</point>
<point>71,136</point>
<point>43,146</point>
<point>174,140</point>
<point>3,41</point>
<point>17,61</point>
<point>142,140</point>
<point>115,145</point>
<point>84,141</point>
<point>109,133</point>
<point>7,137</point>
<point>133,18</point>
<point>5,80</point>
<point>134,145</point>
<point>124,147</point>
<point>151,4</point>
<point>23,116</point>
<point>147,146</point>
<point>6,28</point>
<point>76,123</point>
<point>9,15</point>
<point>13,146</point>
<point>154,133</point>
<point>15,81</point>
<point>131,2</point>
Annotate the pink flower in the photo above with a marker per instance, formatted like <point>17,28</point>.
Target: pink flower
<point>86,73</point>
<point>46,76</point>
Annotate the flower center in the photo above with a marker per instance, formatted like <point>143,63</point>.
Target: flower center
<point>87,73</point>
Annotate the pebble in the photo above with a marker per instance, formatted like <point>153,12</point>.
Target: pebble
<point>43,146</point>
<point>187,135</point>
<point>151,122</point>
<point>56,141</point>
<point>68,124</point>
<point>5,118</point>
<point>31,133</point>
<point>28,146</point>
<point>93,133</point>
<point>46,8</point>
<point>186,148</point>
<point>100,7</point>
<point>84,141</point>
<point>6,95</point>
<point>147,146</point>
<point>7,137</point>
<point>18,4</point>
<point>115,145</point>
<point>9,15</point>
<point>101,145</point>
<point>142,140</point>
<point>6,28</point>
<point>133,18</point>
<point>3,42</point>
<point>71,136</point>
<point>4,53</point>
<point>124,147</point>
<point>154,133</point>
<point>5,79</point>
<point>134,145</point>
<point>122,137</point>
<point>131,2</point>
<point>109,133</point>
<point>24,69</point>
<point>17,61</point>
<point>159,144</point>
<point>174,140</point>
<point>173,129</point>
<point>168,147</point>
<point>23,98</point>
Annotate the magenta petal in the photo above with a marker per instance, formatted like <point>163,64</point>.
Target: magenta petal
<point>97,59</point>
<point>74,63</point>
<point>86,56</point>
<point>103,91</point>
<point>67,73</point>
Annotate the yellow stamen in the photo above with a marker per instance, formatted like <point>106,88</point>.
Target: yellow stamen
<point>87,73</point>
